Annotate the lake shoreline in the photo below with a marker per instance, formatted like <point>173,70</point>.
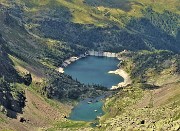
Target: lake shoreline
<point>120,72</point>
<point>126,77</point>
<point>88,53</point>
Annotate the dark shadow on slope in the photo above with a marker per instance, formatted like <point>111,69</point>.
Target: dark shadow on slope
<point>144,35</point>
<point>110,38</point>
<point>6,65</point>
<point>149,87</point>
<point>12,101</point>
<point>154,36</point>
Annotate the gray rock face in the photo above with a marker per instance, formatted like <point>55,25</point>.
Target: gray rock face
<point>12,102</point>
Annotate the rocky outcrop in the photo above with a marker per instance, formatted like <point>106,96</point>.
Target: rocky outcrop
<point>12,100</point>
<point>70,60</point>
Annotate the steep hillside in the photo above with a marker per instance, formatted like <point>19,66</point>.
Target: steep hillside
<point>137,109</point>
<point>39,112</point>
<point>155,68</point>
<point>143,25</point>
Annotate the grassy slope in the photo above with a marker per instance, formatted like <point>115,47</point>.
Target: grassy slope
<point>155,68</point>
<point>84,13</point>
<point>158,108</point>
<point>88,16</point>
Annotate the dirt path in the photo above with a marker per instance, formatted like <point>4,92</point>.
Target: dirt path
<point>40,113</point>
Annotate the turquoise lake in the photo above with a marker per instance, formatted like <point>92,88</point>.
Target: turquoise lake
<point>87,112</point>
<point>92,70</point>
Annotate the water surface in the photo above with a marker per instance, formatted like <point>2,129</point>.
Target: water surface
<point>94,70</point>
<point>85,111</point>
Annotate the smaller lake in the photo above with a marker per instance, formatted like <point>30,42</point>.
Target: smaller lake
<point>94,70</point>
<point>85,111</point>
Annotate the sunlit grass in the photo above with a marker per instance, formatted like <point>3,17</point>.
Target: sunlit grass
<point>73,125</point>
<point>83,13</point>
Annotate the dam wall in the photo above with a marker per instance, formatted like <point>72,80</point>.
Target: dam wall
<point>100,53</point>
<point>88,53</point>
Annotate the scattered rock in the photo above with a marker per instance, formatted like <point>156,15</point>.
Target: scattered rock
<point>89,102</point>
<point>3,109</point>
<point>143,121</point>
<point>22,119</point>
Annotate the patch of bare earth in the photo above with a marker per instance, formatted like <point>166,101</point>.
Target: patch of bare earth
<point>37,114</point>
<point>159,96</point>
